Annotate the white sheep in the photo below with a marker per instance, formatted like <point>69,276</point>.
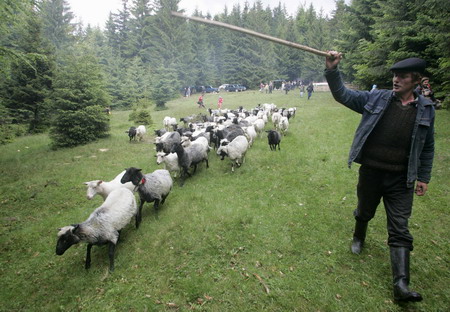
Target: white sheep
<point>102,227</point>
<point>276,118</point>
<point>140,132</point>
<point>104,188</point>
<point>259,125</point>
<point>251,134</point>
<point>235,150</point>
<point>283,125</point>
<point>170,162</point>
<point>169,123</point>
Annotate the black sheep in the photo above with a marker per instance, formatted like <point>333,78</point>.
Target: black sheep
<point>132,133</point>
<point>274,138</point>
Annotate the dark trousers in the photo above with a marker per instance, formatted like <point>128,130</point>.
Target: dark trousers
<point>375,184</point>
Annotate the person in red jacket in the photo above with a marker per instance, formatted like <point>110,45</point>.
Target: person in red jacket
<point>200,102</point>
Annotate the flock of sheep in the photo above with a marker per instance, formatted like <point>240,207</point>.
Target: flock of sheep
<point>229,133</point>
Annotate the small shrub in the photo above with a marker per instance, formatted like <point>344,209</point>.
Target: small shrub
<point>72,128</point>
<point>141,117</point>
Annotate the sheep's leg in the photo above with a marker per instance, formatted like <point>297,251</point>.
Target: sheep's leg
<point>186,172</point>
<point>195,168</point>
<point>156,205</point>
<point>112,248</point>
<point>138,218</point>
<point>207,163</point>
<point>88,257</point>
<point>164,199</point>
<point>139,214</point>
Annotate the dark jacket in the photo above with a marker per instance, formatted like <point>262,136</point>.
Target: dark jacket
<point>372,106</point>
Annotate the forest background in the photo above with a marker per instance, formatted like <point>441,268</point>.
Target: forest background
<point>55,71</point>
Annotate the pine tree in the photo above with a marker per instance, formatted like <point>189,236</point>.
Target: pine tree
<point>30,79</point>
<point>79,99</point>
<point>57,22</point>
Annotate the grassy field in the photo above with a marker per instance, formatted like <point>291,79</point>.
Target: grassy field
<point>272,236</point>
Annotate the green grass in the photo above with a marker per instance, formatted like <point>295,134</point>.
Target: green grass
<point>272,236</point>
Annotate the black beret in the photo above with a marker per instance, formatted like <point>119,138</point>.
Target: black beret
<point>412,64</point>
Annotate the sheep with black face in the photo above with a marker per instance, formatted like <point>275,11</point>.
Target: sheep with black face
<point>235,150</point>
<point>102,227</point>
<point>152,187</point>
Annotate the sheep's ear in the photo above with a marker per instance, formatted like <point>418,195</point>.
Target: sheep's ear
<point>86,183</point>
<point>138,169</point>
<point>99,182</point>
<point>59,229</point>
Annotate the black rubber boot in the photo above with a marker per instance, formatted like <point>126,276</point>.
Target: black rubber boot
<point>400,273</point>
<point>359,236</point>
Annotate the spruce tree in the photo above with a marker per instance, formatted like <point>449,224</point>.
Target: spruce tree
<point>80,100</point>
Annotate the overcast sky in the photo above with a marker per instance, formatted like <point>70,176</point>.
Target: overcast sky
<point>96,12</point>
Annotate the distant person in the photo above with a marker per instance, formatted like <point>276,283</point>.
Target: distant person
<point>310,89</point>
<point>424,88</point>
<point>200,102</point>
<point>302,90</point>
<point>287,87</point>
<point>270,86</point>
<point>220,102</point>
<point>374,87</point>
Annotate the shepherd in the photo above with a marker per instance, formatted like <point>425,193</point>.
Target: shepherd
<point>394,144</point>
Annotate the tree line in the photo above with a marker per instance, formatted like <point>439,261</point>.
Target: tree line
<point>55,70</point>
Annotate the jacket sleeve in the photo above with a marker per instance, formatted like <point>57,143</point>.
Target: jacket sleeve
<point>355,100</point>
<point>426,156</point>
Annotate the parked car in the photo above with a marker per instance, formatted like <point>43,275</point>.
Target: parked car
<point>235,88</point>
<point>199,89</point>
<point>222,87</point>
<point>232,88</point>
<point>210,89</point>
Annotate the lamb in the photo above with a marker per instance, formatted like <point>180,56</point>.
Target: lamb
<point>131,133</point>
<point>235,150</point>
<point>190,156</point>
<point>283,125</point>
<point>170,162</point>
<point>140,132</point>
<point>102,227</point>
<point>152,187</point>
<point>274,138</point>
<point>105,188</point>
<point>165,143</point>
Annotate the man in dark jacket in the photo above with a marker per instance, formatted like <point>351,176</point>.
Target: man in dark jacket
<point>394,144</point>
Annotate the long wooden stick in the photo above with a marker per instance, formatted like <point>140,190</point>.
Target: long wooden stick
<point>252,33</point>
